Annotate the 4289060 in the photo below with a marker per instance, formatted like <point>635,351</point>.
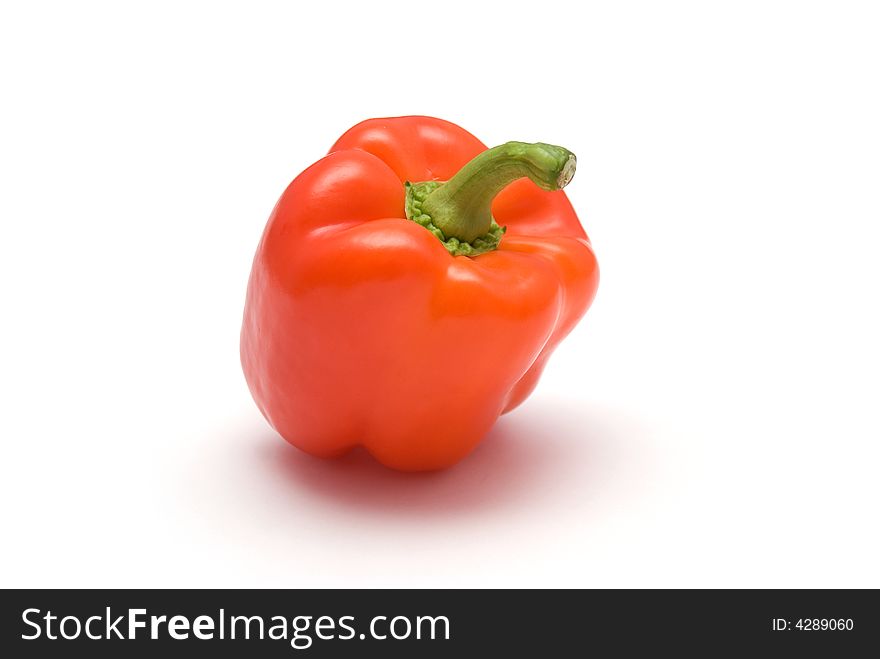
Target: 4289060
<point>813,624</point>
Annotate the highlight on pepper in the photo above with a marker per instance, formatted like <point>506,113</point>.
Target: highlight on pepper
<point>409,288</point>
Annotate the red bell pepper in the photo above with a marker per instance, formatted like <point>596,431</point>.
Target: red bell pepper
<point>386,306</point>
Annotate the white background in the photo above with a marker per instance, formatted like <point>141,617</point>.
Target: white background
<point>713,421</point>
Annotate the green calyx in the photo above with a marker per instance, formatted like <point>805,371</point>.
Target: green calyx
<point>459,211</point>
<point>416,193</point>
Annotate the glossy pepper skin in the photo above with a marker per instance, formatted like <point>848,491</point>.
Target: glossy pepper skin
<point>360,328</point>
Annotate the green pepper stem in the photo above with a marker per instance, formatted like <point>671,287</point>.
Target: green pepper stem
<point>462,207</point>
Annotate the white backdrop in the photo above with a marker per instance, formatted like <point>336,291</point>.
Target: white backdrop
<point>712,422</point>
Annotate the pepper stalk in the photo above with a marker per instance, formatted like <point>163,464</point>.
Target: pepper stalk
<point>460,210</point>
